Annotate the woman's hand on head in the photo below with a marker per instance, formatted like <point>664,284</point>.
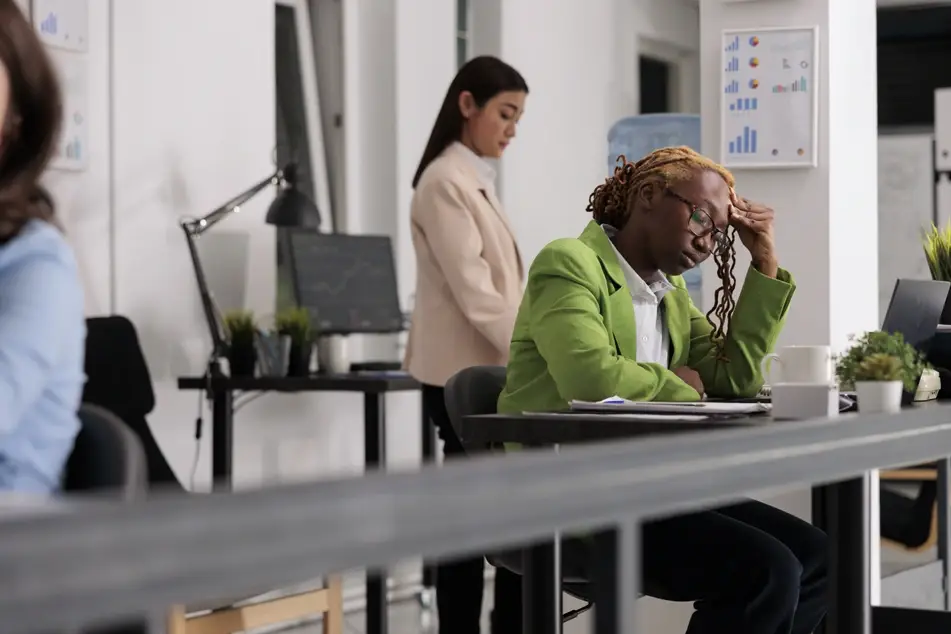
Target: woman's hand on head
<point>754,225</point>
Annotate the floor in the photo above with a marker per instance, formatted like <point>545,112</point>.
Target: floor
<point>657,617</point>
<point>407,617</point>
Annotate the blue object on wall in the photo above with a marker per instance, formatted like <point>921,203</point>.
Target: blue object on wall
<point>638,136</point>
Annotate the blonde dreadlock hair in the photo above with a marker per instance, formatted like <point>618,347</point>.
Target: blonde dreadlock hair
<point>610,203</point>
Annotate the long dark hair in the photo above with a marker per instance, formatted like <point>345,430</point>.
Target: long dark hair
<point>485,77</point>
<point>31,127</point>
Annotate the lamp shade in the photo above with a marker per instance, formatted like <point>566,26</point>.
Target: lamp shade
<point>292,208</point>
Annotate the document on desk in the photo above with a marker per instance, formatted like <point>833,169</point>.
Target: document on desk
<point>617,405</point>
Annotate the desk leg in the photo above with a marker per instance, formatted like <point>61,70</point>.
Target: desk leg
<point>374,457</point>
<point>428,431</point>
<point>820,519</point>
<point>222,439</point>
<point>944,529</point>
<point>847,504</point>
<point>541,589</point>
<point>616,576</point>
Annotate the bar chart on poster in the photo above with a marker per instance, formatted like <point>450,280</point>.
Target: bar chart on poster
<point>769,98</point>
<point>62,23</point>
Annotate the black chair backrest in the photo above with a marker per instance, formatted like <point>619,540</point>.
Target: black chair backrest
<point>472,392</point>
<point>117,378</point>
<point>106,458</point>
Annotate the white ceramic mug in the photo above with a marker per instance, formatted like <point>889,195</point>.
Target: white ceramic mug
<point>792,401</point>
<point>800,364</point>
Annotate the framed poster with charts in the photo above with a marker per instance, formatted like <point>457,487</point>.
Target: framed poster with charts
<point>769,98</point>
<point>347,282</point>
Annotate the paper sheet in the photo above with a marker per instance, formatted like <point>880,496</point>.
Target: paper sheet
<point>655,407</point>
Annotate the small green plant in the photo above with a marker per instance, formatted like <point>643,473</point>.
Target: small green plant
<point>937,246</point>
<point>295,323</point>
<point>879,367</point>
<point>877,344</point>
<point>241,327</point>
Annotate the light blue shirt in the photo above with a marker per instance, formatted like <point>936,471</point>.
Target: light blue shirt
<point>42,345</point>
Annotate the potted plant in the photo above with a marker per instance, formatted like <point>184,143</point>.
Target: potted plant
<point>241,330</point>
<point>878,384</point>
<point>295,323</point>
<point>880,366</point>
<point>937,246</point>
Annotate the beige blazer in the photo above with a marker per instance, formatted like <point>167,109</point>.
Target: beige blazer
<point>468,272</point>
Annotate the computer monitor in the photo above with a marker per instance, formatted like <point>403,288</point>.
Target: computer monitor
<point>347,282</point>
<point>915,311</point>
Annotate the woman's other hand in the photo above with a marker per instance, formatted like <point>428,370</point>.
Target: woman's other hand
<point>690,377</point>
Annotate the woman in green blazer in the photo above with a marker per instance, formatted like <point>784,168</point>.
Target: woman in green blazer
<point>607,314</point>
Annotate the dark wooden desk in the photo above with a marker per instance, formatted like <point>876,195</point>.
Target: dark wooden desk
<point>850,608</point>
<point>373,385</point>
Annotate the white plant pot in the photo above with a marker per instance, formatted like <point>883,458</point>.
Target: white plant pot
<point>879,397</point>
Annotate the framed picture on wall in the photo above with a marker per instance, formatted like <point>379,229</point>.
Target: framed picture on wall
<point>769,98</point>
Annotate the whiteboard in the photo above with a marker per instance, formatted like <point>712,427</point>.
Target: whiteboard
<point>905,209</point>
<point>769,97</point>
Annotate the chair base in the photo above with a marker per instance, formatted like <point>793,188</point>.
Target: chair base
<point>327,601</point>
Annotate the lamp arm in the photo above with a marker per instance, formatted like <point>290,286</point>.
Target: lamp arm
<point>197,227</point>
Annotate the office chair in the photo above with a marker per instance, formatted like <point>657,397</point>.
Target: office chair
<point>106,457</point>
<point>118,379</point>
<point>475,391</point>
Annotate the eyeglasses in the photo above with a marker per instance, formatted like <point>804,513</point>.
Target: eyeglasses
<point>701,224</point>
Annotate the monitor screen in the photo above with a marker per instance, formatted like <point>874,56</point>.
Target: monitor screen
<point>347,282</point>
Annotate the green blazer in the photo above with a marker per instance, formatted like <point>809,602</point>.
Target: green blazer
<point>575,333</point>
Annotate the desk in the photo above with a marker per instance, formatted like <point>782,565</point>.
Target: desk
<point>849,609</point>
<point>373,385</point>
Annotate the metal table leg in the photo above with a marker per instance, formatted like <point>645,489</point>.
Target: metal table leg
<point>428,431</point>
<point>820,519</point>
<point>616,576</point>
<point>222,439</point>
<point>944,530</point>
<point>374,456</point>
<point>850,543</point>
<point>541,589</point>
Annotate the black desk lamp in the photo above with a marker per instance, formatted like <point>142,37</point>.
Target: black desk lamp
<point>290,208</point>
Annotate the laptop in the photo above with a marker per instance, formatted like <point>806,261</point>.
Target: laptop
<point>915,311</point>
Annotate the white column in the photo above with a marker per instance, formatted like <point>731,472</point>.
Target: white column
<point>827,217</point>
<point>826,223</point>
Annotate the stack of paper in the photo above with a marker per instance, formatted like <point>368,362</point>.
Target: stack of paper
<point>701,408</point>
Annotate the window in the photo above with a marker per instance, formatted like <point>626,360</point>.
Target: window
<point>463,19</point>
<point>914,58</point>
<point>655,88</point>
<point>297,121</point>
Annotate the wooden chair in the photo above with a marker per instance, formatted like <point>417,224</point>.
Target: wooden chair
<point>906,523</point>
<point>238,617</point>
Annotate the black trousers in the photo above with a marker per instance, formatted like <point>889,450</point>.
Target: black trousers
<point>460,583</point>
<point>748,567</point>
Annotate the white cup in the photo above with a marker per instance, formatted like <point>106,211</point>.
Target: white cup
<point>332,354</point>
<point>793,401</point>
<point>800,364</point>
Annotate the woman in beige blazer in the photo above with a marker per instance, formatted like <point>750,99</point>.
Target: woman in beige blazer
<point>468,286</point>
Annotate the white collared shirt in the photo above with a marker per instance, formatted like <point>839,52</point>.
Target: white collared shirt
<point>485,170</point>
<point>653,340</point>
